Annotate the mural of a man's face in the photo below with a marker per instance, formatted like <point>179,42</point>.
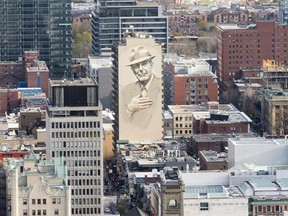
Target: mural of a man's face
<point>143,70</point>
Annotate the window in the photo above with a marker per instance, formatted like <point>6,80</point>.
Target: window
<point>44,212</point>
<point>38,212</point>
<point>172,204</point>
<point>39,201</point>
<point>204,206</point>
<point>33,212</point>
<point>44,201</point>
<point>56,211</point>
<point>25,212</point>
<point>33,201</point>
<point>53,200</point>
<point>24,201</point>
<point>59,200</point>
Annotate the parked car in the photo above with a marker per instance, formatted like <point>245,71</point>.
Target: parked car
<point>107,210</point>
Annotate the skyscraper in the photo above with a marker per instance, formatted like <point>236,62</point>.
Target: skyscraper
<point>112,18</point>
<point>74,131</point>
<point>43,25</point>
<point>283,12</point>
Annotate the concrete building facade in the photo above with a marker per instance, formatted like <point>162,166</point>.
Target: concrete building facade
<point>37,188</point>
<point>74,132</point>
<point>274,112</point>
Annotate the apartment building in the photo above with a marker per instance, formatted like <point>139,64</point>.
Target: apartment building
<point>189,81</point>
<point>245,47</point>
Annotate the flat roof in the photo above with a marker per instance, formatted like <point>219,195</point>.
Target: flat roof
<point>214,191</point>
<point>262,184</point>
<point>257,141</point>
<point>75,82</point>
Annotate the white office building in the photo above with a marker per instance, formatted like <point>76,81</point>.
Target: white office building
<point>74,131</point>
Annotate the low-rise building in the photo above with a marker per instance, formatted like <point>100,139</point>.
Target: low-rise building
<point>228,15</point>
<point>211,160</point>
<point>37,187</point>
<point>211,117</point>
<point>274,111</point>
<point>257,149</point>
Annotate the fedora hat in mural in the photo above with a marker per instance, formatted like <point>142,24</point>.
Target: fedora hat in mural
<point>139,54</point>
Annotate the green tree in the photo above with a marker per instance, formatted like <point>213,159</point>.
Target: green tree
<point>202,45</point>
<point>81,47</point>
<point>212,28</point>
<point>203,26</point>
<point>121,209</point>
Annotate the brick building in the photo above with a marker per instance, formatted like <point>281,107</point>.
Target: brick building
<point>30,72</point>
<point>36,72</point>
<point>212,117</point>
<point>211,160</point>
<point>184,20</point>
<point>241,48</point>
<point>189,81</point>
<point>226,15</point>
<point>213,142</point>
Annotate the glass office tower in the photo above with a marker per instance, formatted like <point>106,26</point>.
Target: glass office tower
<point>112,18</point>
<point>43,25</point>
<point>283,12</point>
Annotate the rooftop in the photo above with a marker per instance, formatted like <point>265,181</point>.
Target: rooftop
<point>215,191</point>
<point>75,82</point>
<point>257,141</point>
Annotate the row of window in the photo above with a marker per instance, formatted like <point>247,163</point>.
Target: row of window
<point>39,212</point>
<point>84,163</point>
<point>95,191</point>
<point>76,153</point>
<point>181,125</point>
<point>84,172</point>
<point>77,211</point>
<point>81,182</point>
<point>42,201</point>
<point>72,144</point>
<point>79,134</point>
<point>183,132</point>
<point>270,208</point>
<point>61,125</point>
<point>181,118</point>
<point>86,201</point>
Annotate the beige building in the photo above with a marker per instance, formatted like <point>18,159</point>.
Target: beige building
<point>74,132</point>
<point>274,112</point>
<point>37,188</point>
<point>138,88</point>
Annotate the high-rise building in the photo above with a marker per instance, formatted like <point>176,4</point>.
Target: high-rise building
<point>241,48</point>
<point>283,12</point>
<point>137,93</point>
<point>74,131</point>
<point>111,19</point>
<point>43,25</point>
